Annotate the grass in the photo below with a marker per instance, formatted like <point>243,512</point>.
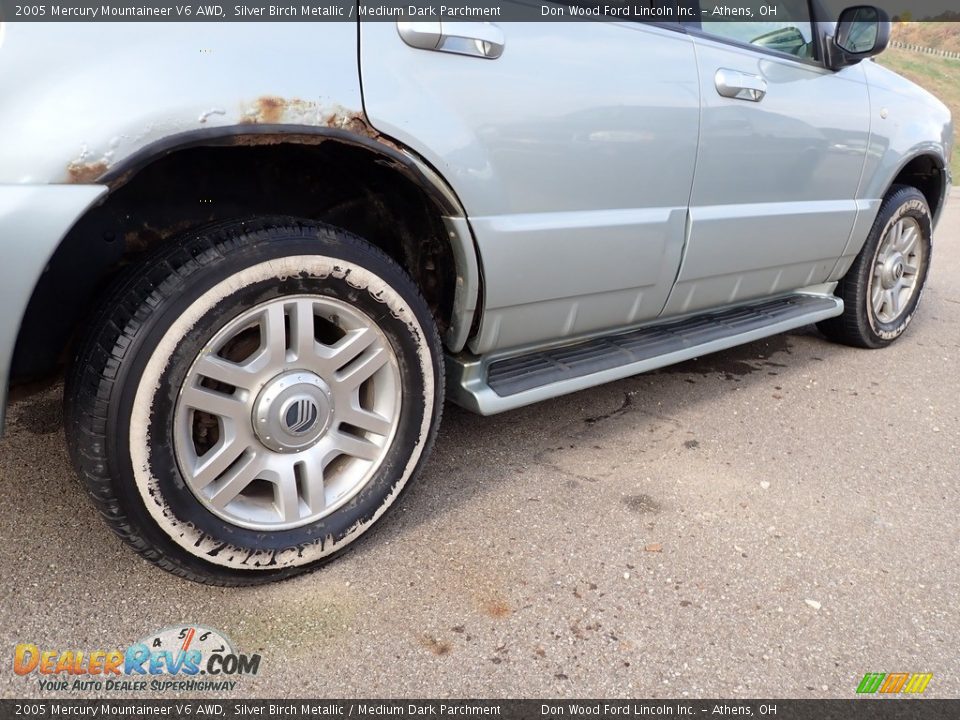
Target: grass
<point>939,75</point>
<point>942,35</point>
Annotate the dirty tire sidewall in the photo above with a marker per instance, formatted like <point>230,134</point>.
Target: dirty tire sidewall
<point>916,208</point>
<point>217,282</point>
<point>857,326</point>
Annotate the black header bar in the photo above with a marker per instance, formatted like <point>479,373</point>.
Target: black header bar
<point>455,10</point>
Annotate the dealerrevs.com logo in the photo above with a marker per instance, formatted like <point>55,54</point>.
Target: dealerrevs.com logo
<point>182,658</point>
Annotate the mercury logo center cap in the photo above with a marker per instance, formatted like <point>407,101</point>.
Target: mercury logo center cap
<point>293,411</point>
<point>301,415</point>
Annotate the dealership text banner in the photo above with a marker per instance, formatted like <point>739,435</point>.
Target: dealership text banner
<point>670,11</point>
<point>231,709</point>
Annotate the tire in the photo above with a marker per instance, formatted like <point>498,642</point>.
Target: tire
<point>883,287</point>
<point>228,437</point>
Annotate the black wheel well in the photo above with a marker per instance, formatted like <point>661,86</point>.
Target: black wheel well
<point>925,173</point>
<point>347,184</point>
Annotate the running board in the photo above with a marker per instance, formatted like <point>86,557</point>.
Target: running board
<point>491,385</point>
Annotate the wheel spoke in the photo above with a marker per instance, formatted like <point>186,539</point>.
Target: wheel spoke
<point>286,498</point>
<point>884,301</point>
<point>349,347</point>
<point>314,493</point>
<point>355,446</point>
<point>216,461</point>
<point>303,342</point>
<point>893,238</point>
<point>908,240</point>
<point>215,403</point>
<point>273,336</point>
<point>363,369</point>
<point>235,483</point>
<point>225,371</point>
<point>877,298</point>
<point>895,300</point>
<point>367,420</point>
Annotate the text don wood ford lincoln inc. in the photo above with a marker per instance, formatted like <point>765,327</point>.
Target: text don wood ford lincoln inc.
<point>181,658</point>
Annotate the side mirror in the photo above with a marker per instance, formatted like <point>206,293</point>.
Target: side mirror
<point>862,31</point>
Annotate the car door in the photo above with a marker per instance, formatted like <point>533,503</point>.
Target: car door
<point>783,143</point>
<point>571,146</point>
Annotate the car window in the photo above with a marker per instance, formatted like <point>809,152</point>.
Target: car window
<point>793,36</point>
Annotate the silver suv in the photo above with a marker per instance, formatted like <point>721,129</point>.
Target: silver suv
<point>266,253</point>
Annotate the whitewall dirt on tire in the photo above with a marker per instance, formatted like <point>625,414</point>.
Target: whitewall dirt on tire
<point>129,378</point>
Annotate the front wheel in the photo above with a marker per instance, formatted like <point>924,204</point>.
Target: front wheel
<point>883,287</point>
<point>254,398</point>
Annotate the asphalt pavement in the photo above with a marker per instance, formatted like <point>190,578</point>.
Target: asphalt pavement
<point>771,521</point>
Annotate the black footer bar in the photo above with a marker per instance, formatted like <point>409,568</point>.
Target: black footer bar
<point>233,709</point>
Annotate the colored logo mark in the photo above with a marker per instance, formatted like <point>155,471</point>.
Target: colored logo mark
<point>889,683</point>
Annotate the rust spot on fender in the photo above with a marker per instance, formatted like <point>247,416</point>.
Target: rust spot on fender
<point>274,110</point>
<point>81,173</point>
<point>267,110</point>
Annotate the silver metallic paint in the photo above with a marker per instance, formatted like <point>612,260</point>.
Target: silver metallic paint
<point>774,198</point>
<point>906,121</point>
<point>576,178</point>
<point>98,92</point>
<point>33,221</point>
<point>573,150</point>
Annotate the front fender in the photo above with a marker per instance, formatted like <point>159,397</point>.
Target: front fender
<point>96,93</point>
<point>33,221</point>
<point>906,122</point>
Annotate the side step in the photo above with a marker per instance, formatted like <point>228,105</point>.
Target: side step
<point>492,385</point>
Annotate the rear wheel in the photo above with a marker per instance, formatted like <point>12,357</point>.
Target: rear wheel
<point>883,287</point>
<point>254,398</point>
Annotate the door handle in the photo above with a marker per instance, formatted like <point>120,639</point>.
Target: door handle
<point>423,35</point>
<point>479,39</point>
<point>740,85</point>
<point>476,39</point>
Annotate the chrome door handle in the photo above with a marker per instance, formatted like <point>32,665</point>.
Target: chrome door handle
<point>423,35</point>
<point>477,39</point>
<point>740,85</point>
<point>480,39</point>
